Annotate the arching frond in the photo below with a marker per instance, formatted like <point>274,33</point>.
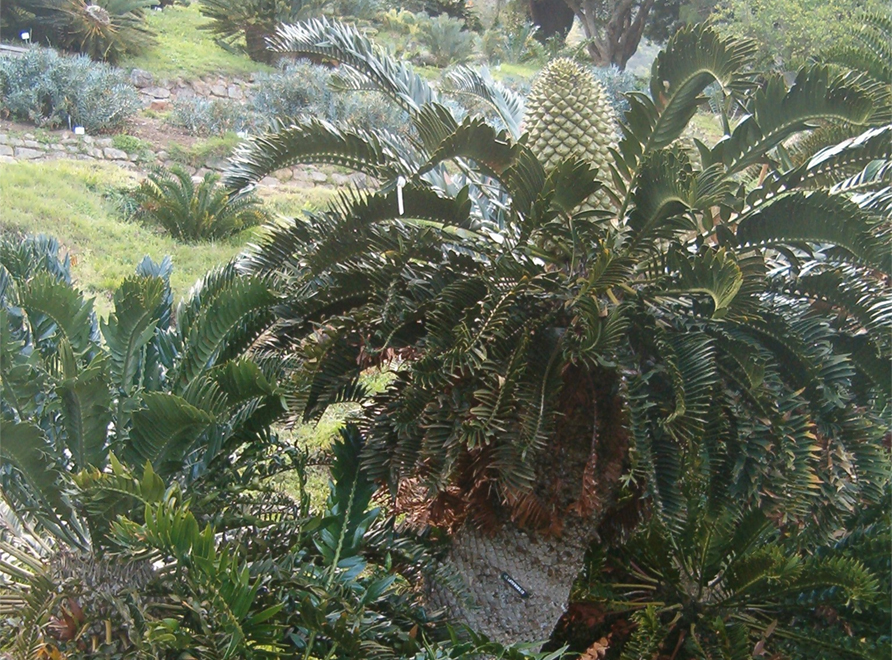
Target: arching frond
<point>508,104</point>
<point>316,141</point>
<point>338,42</point>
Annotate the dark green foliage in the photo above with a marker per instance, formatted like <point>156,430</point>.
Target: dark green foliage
<point>52,90</point>
<point>181,397</point>
<point>718,580</point>
<point>681,328</point>
<point>190,212</point>
<point>101,29</point>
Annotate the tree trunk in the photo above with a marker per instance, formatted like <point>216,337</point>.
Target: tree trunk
<point>518,581</point>
<point>613,28</point>
<point>552,17</point>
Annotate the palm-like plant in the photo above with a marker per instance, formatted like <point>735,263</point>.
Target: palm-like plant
<point>721,583</point>
<point>727,316</point>
<point>103,29</point>
<point>178,400</point>
<point>180,396</point>
<point>254,21</point>
<point>187,212</point>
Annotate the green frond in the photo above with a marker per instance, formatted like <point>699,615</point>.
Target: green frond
<point>164,431</point>
<point>316,141</point>
<point>241,309</point>
<point>776,113</point>
<point>813,218</point>
<point>662,198</point>
<point>508,104</point>
<point>473,139</point>
<point>869,361</point>
<point>693,58</point>
<point>338,42</point>
<point>648,637</point>
<point>53,307</point>
<point>348,503</point>
<point>711,272</point>
<point>86,413</point>
<point>853,154</point>
<point>25,447</point>
<point>132,325</point>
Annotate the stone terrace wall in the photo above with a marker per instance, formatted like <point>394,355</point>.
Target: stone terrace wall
<point>158,94</point>
<point>64,144</point>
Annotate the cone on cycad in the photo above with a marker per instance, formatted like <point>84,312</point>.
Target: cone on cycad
<point>568,114</point>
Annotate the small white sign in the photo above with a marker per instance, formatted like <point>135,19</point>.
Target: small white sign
<point>79,130</point>
<point>26,36</point>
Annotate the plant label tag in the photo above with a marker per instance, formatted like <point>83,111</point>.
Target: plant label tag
<point>400,184</point>
<point>514,584</point>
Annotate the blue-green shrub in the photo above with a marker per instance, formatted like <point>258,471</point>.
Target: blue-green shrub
<point>50,90</point>
<point>617,84</point>
<point>204,117</point>
<point>304,89</point>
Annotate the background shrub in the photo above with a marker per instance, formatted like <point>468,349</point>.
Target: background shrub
<point>617,83</point>
<point>447,40</point>
<point>515,42</point>
<point>49,89</point>
<point>305,89</point>
<point>203,117</point>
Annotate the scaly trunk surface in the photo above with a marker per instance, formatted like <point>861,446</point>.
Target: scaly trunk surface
<point>518,581</point>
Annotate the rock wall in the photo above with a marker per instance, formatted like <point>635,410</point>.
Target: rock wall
<point>159,94</point>
<point>54,145</point>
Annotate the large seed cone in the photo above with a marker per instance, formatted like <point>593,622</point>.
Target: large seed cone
<point>568,114</point>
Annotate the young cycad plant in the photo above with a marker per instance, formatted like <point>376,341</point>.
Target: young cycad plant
<point>447,40</point>
<point>87,407</point>
<point>190,212</point>
<point>720,581</point>
<point>560,367</point>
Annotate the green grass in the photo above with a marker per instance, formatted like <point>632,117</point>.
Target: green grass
<point>196,155</point>
<point>65,199</point>
<point>185,51</point>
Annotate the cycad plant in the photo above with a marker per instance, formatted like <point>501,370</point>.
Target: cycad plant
<point>253,21</point>
<point>558,365</point>
<point>179,395</point>
<point>96,418</point>
<point>103,29</point>
<point>190,212</point>
<point>720,581</point>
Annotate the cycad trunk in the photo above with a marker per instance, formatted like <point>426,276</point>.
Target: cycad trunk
<point>544,568</point>
<point>255,44</point>
<point>518,582</point>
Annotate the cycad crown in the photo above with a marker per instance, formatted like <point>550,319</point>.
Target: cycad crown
<point>568,114</point>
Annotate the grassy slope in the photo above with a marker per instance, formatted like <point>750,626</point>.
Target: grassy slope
<point>65,199</point>
<point>185,51</point>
